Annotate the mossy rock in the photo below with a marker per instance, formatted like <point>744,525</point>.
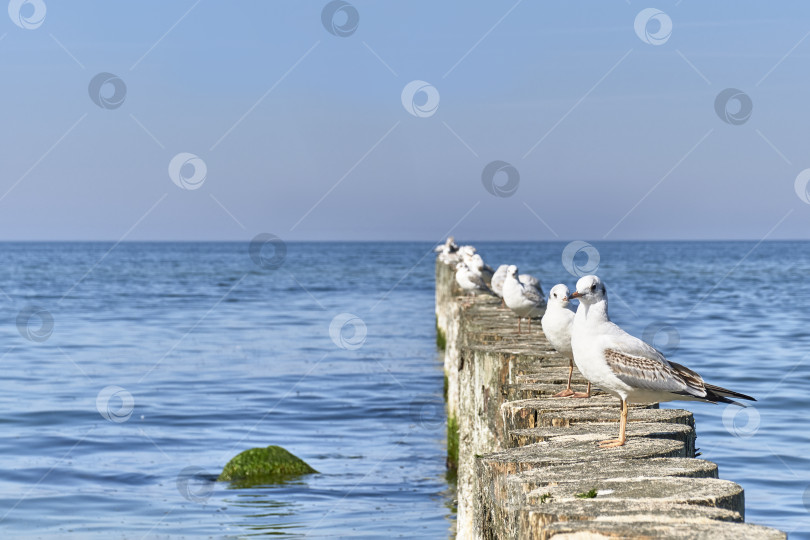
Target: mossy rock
<point>269,465</point>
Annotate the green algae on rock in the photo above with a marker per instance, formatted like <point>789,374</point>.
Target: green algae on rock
<point>264,466</point>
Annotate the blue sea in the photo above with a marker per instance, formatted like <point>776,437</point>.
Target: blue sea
<point>132,373</point>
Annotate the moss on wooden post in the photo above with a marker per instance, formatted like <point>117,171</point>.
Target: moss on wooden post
<point>441,339</point>
<point>452,442</point>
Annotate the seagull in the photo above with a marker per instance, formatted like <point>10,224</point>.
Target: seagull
<point>449,246</point>
<point>448,252</point>
<point>557,321</point>
<point>476,264</point>
<point>525,300</point>
<point>466,253</point>
<point>531,281</point>
<point>627,367</point>
<point>496,283</point>
<point>471,282</point>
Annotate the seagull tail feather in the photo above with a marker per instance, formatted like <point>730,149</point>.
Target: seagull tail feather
<point>719,394</point>
<point>696,386</point>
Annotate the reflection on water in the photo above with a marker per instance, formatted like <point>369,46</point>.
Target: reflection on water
<point>262,514</point>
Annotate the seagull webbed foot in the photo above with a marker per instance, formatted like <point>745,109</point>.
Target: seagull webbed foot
<point>612,443</point>
<point>565,393</point>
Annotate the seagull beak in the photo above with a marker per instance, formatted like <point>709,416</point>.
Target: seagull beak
<point>575,294</point>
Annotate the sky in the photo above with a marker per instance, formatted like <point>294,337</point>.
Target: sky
<point>411,120</point>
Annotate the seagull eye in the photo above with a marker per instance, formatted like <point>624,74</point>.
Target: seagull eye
<point>593,287</point>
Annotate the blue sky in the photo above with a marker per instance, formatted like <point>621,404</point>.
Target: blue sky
<point>304,134</point>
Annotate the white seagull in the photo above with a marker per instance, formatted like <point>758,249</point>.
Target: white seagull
<point>448,252</point>
<point>448,246</point>
<point>557,322</point>
<point>466,252</point>
<point>525,300</point>
<point>627,367</point>
<point>476,264</point>
<point>497,280</point>
<point>471,282</point>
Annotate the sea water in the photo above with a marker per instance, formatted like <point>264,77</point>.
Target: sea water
<point>132,373</point>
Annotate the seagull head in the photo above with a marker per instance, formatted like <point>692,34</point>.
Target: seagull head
<point>559,295</point>
<point>590,290</point>
<point>512,271</point>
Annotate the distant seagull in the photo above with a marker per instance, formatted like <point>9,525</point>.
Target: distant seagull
<point>448,246</point>
<point>471,282</point>
<point>557,322</point>
<point>525,300</point>
<point>496,284</point>
<point>465,253</point>
<point>476,264</point>
<point>448,252</point>
<point>627,367</point>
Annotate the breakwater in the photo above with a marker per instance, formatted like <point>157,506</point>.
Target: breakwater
<point>529,465</point>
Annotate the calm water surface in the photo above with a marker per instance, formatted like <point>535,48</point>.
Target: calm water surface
<point>166,360</point>
<point>220,355</point>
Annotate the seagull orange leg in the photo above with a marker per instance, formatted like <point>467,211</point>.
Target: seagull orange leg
<point>518,325</point>
<point>567,392</point>
<point>622,429</point>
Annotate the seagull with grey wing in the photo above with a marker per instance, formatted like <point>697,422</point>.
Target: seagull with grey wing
<point>477,265</point>
<point>496,283</point>
<point>557,322</point>
<point>523,297</point>
<point>627,367</point>
<point>470,282</point>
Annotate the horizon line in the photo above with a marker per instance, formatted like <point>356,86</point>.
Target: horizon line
<point>399,241</point>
